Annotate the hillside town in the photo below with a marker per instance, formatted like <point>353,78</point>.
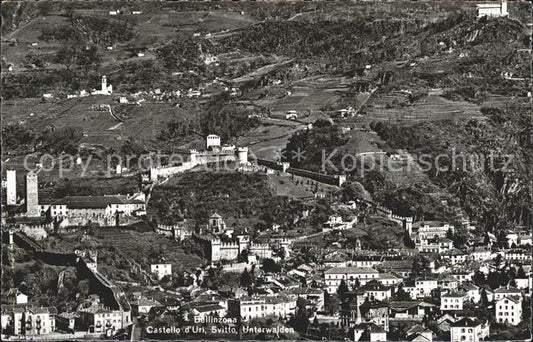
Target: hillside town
<point>210,179</point>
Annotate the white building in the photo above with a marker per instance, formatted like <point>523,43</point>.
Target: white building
<point>467,329</point>
<point>143,306</point>
<point>212,140</point>
<point>452,301</point>
<point>161,270</point>
<point>11,187</point>
<point>334,276</point>
<point>481,254</point>
<point>492,10</point>
<point>261,306</point>
<point>105,89</point>
<point>431,230</point>
<point>509,310</point>
<point>14,296</point>
<point>503,292</point>
<point>424,286</point>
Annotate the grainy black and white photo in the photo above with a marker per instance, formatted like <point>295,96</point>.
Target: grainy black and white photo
<point>306,170</point>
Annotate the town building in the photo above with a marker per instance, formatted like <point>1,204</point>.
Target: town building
<point>11,187</point>
<point>28,320</point>
<point>248,308</point>
<point>452,301</point>
<point>161,270</point>
<point>467,329</point>
<point>99,319</point>
<point>142,306</point>
<point>14,296</point>
<point>334,276</point>
<point>492,9</point>
<point>508,310</point>
<point>94,207</point>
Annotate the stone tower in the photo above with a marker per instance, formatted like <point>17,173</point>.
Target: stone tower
<point>242,155</point>
<point>104,84</point>
<point>11,187</point>
<point>32,195</point>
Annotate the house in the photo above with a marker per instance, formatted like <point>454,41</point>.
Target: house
<point>424,286</point>
<point>455,256</point>
<point>335,222</point>
<point>14,296</point>
<point>334,276</point>
<point>375,290</point>
<point>467,329</point>
<point>432,230</point>
<point>94,206</point>
<point>507,291</point>
<point>66,321</point>
<point>445,322</point>
<point>208,310</point>
<point>452,301</point>
<point>508,310</point>
<point>435,245</point>
<point>142,306</point>
<point>462,276</point>
<point>37,320</point>
<point>472,292</point>
<point>410,309</point>
<point>447,282</point>
<point>401,267</point>
<point>418,333</point>
<point>481,253</point>
<point>369,332</point>
<point>389,279</point>
<point>248,308</point>
<point>314,296</point>
<point>161,270</point>
<point>492,9</point>
<point>376,312</point>
<point>99,319</point>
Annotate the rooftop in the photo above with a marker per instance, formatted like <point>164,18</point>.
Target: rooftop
<point>82,202</point>
<point>345,270</point>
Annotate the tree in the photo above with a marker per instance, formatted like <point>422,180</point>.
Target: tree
<point>484,299</point>
<point>341,291</point>
<point>246,279</point>
<point>479,278</point>
<point>269,265</point>
<point>420,266</point>
<point>521,274</point>
<point>407,241</point>
<point>401,294</point>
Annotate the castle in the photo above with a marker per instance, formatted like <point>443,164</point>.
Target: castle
<point>223,243</point>
<point>214,153</point>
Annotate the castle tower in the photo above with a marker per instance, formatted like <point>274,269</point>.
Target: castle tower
<point>242,155</point>
<point>216,224</point>
<point>408,225</point>
<point>192,156</point>
<point>357,244</point>
<point>32,195</point>
<point>504,8</point>
<point>11,187</point>
<point>104,84</point>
